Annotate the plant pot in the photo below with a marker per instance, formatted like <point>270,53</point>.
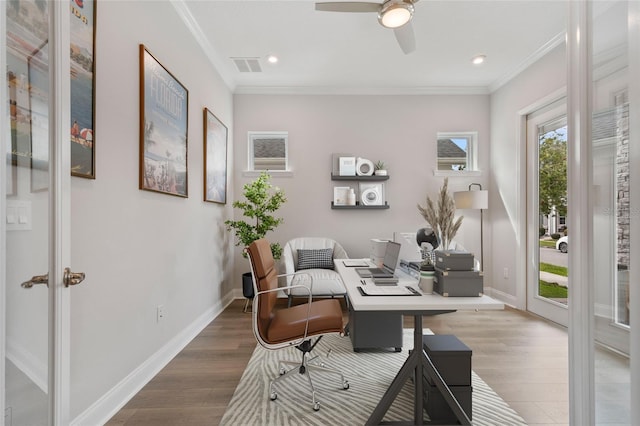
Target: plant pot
<point>247,285</point>
<point>380,172</point>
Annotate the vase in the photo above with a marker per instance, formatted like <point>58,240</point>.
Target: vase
<point>426,281</point>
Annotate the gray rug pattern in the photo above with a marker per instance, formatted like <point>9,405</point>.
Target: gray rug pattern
<point>369,374</point>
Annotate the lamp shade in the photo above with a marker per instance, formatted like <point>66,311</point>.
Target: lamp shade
<point>476,200</point>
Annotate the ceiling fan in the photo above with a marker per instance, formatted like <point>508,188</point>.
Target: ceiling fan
<point>394,14</point>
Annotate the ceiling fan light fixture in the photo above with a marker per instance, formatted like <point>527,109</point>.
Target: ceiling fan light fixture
<point>395,14</point>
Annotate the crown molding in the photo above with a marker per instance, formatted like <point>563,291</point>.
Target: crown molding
<point>192,25</point>
<point>530,60</point>
<point>338,90</point>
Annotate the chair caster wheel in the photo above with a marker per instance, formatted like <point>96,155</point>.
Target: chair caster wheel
<point>398,349</point>
<point>316,406</point>
<point>345,385</point>
<point>273,396</point>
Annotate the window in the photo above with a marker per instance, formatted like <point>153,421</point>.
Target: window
<point>268,151</point>
<point>457,152</point>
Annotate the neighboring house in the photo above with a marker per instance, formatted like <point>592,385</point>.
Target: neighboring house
<point>450,155</point>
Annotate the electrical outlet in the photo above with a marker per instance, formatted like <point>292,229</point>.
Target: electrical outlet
<point>505,273</point>
<point>160,313</point>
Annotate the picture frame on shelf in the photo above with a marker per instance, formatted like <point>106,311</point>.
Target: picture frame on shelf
<point>215,159</point>
<point>341,195</point>
<point>164,105</point>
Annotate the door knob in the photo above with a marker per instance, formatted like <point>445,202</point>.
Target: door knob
<point>36,279</point>
<point>72,278</point>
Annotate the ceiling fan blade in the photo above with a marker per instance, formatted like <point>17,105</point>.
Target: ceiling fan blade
<point>406,38</point>
<point>350,6</point>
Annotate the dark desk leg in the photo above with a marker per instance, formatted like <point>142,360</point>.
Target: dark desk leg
<point>416,364</point>
<point>412,367</point>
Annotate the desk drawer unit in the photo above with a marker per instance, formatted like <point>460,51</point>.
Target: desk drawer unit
<point>458,283</point>
<point>369,330</point>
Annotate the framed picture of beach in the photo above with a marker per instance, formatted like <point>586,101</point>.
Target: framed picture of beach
<point>82,35</point>
<point>164,105</point>
<point>215,159</point>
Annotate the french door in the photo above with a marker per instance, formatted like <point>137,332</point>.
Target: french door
<point>34,201</point>
<point>547,265</point>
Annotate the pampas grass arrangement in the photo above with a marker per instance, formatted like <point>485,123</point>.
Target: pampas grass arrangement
<point>440,217</point>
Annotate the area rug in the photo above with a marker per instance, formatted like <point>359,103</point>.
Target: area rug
<point>369,374</point>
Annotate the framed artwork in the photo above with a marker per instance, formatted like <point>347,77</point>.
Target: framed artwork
<point>215,159</point>
<point>82,35</point>
<point>39,123</point>
<point>164,105</point>
<point>28,87</point>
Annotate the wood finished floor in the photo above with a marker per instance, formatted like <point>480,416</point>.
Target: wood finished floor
<point>522,357</point>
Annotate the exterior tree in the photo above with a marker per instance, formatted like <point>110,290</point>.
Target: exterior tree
<point>553,175</point>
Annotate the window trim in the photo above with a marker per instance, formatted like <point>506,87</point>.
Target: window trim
<point>252,135</point>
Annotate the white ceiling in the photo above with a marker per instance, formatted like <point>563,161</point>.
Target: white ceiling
<point>328,52</point>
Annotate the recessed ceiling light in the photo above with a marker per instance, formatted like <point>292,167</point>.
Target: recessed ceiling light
<point>272,59</point>
<point>477,60</point>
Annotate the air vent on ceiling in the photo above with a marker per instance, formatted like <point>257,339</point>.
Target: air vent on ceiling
<point>247,64</point>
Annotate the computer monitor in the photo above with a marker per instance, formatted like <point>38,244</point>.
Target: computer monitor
<point>409,250</point>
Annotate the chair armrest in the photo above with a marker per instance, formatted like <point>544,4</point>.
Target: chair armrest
<point>306,325</point>
<point>310,287</point>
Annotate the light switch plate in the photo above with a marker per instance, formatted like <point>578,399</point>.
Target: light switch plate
<point>19,217</point>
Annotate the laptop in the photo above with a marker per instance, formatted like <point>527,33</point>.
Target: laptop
<point>389,263</point>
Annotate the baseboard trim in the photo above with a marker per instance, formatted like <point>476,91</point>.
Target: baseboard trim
<point>505,298</point>
<point>111,402</point>
<point>32,367</point>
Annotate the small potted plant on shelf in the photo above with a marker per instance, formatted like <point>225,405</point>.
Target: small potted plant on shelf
<point>262,200</point>
<point>380,169</point>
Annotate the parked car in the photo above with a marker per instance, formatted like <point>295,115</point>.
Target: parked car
<point>563,244</point>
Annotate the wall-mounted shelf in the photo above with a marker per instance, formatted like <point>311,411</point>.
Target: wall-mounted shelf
<point>359,207</point>
<point>373,178</point>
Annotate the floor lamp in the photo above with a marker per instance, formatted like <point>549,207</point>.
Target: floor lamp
<point>475,200</point>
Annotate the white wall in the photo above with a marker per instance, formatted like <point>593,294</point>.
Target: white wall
<point>506,213</point>
<point>142,249</point>
<point>400,130</point>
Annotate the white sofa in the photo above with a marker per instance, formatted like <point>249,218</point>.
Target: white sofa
<point>326,282</point>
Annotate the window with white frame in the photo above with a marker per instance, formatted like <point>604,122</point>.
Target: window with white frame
<point>268,151</point>
<point>457,151</point>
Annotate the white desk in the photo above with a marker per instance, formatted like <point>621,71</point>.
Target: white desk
<point>418,362</point>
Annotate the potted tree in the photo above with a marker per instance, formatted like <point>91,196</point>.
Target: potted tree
<point>262,201</point>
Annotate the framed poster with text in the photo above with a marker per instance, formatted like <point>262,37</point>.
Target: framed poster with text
<point>82,35</point>
<point>163,129</point>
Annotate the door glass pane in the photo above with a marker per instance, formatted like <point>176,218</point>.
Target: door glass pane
<point>27,77</point>
<point>611,140</point>
<point>553,282</point>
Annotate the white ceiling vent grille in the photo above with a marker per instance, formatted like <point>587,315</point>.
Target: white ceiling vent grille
<point>247,64</point>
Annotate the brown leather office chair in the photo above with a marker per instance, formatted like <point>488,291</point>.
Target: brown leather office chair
<point>292,326</point>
